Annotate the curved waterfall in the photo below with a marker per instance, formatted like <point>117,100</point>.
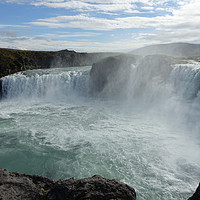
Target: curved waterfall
<point>48,84</point>
<point>183,81</point>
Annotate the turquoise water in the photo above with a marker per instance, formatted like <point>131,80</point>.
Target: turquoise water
<point>59,131</point>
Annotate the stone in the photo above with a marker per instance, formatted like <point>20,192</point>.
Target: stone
<point>15,186</point>
<point>94,188</point>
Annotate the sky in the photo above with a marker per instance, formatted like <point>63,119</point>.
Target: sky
<point>97,25</point>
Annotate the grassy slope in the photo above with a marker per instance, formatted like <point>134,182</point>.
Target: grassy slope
<point>12,61</point>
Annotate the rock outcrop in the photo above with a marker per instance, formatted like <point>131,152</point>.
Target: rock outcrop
<point>111,73</point>
<point>15,186</point>
<point>92,188</point>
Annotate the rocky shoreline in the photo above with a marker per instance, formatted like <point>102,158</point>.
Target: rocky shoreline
<point>16,186</point>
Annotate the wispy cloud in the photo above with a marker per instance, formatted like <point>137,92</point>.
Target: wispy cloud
<point>101,6</point>
<point>149,21</point>
<point>12,26</point>
<point>8,33</point>
<point>42,43</point>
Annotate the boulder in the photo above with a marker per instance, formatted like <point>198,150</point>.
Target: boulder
<point>15,186</point>
<point>92,188</point>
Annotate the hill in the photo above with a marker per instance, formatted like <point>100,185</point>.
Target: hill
<point>172,49</point>
<point>12,61</point>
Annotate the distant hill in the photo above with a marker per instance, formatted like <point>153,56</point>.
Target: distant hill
<point>12,61</point>
<point>172,49</point>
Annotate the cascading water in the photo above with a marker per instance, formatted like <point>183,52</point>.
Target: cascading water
<point>49,84</point>
<point>51,126</point>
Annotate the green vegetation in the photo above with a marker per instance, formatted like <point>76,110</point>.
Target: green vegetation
<point>12,61</point>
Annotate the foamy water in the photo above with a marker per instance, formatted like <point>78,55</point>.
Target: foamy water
<point>50,126</point>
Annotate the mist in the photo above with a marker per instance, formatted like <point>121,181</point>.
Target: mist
<point>161,86</point>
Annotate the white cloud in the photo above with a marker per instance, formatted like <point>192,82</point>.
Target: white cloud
<point>40,43</point>
<point>8,33</point>
<point>11,26</point>
<point>178,21</point>
<point>99,6</point>
<point>59,35</point>
<point>87,22</point>
<point>79,21</point>
<point>186,15</point>
<point>88,6</point>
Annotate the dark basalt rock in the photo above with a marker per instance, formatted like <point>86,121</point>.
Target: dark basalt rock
<point>92,188</point>
<point>111,72</point>
<point>15,186</point>
<point>196,195</point>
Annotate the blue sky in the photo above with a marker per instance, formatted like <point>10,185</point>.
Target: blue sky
<point>97,25</point>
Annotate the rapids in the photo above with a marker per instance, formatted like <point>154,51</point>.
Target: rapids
<point>51,126</point>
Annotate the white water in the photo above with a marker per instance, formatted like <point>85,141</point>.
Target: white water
<point>49,125</point>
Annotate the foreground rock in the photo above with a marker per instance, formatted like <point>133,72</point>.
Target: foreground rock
<point>196,195</point>
<point>92,188</point>
<point>15,186</point>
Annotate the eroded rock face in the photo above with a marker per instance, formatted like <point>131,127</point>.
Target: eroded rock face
<point>111,73</point>
<point>92,188</point>
<point>15,186</point>
<point>114,74</point>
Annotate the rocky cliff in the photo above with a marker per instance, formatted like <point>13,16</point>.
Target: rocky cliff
<point>111,73</point>
<point>12,61</point>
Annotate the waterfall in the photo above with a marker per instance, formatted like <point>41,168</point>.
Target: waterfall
<point>144,84</point>
<point>185,79</point>
<point>49,84</point>
<point>143,131</point>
